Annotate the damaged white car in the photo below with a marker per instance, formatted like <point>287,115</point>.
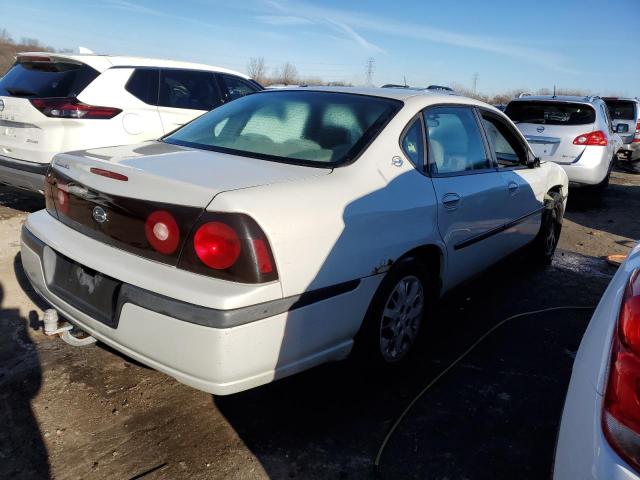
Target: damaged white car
<point>287,228</point>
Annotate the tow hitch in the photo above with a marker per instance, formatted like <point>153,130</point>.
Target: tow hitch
<point>52,327</point>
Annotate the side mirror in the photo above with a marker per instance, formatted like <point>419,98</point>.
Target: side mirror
<point>622,128</point>
<point>533,162</point>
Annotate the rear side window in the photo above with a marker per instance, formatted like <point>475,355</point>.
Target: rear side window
<point>412,144</point>
<point>190,89</point>
<point>455,142</point>
<point>621,110</point>
<point>46,79</point>
<point>143,84</point>
<point>550,113</point>
<point>236,87</point>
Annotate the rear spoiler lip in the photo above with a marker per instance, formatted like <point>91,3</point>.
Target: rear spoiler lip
<point>99,63</point>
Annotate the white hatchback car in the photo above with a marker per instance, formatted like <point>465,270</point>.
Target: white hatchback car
<point>574,132</point>
<point>266,236</point>
<point>52,103</point>
<point>600,431</point>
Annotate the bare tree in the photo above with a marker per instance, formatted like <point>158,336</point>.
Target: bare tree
<point>256,69</point>
<point>288,74</point>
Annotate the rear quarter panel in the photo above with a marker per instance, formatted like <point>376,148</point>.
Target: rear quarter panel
<point>350,224</point>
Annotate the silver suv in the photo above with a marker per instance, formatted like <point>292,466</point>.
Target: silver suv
<point>574,132</point>
<point>625,114</point>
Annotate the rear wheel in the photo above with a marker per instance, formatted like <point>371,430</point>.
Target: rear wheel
<point>396,315</point>
<point>545,243</point>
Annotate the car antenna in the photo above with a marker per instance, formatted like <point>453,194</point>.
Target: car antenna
<point>554,92</point>
<point>404,77</point>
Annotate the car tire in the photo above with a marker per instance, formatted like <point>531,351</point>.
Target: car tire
<point>545,243</point>
<point>394,321</point>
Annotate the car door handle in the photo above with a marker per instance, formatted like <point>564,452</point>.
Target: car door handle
<point>451,201</point>
<point>513,187</point>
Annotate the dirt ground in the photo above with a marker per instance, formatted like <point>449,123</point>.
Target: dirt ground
<point>70,413</point>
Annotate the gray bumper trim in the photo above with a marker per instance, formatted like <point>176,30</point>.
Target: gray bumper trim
<point>208,317</point>
<point>23,166</point>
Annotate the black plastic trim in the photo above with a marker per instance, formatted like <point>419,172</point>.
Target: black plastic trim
<point>494,231</point>
<point>30,167</point>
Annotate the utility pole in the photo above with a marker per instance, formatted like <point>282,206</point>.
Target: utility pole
<point>370,67</point>
<point>475,83</point>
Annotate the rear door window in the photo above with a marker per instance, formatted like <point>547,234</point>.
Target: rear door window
<point>413,144</point>
<point>235,87</point>
<point>504,143</point>
<point>188,89</point>
<point>143,84</point>
<point>550,113</point>
<point>46,79</point>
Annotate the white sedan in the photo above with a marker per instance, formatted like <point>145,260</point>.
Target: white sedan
<point>276,232</point>
<point>600,430</point>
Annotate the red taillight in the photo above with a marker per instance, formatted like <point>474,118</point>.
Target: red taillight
<point>636,137</point>
<point>263,257</point>
<point>217,245</point>
<point>61,197</point>
<point>109,174</point>
<point>594,138</point>
<point>162,232</point>
<point>72,108</point>
<point>621,415</point>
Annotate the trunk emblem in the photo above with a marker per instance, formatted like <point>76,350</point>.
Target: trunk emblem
<point>99,215</point>
<point>540,129</point>
<point>1,105</point>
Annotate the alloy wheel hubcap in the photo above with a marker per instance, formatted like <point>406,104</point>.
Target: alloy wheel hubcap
<point>551,233</point>
<point>401,319</point>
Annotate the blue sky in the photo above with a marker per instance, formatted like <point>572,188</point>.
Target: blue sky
<point>589,44</point>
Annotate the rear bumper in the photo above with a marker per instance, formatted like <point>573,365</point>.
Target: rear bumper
<point>216,359</point>
<point>590,169</point>
<point>22,174</point>
<point>630,151</point>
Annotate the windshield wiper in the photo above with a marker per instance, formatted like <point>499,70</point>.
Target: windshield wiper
<point>20,92</point>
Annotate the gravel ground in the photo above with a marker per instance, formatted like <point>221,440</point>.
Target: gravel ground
<point>91,413</point>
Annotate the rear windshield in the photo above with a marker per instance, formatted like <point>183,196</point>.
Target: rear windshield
<point>550,113</point>
<point>621,109</point>
<point>46,79</point>
<point>320,128</point>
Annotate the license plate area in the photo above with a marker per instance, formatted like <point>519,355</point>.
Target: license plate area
<point>91,292</point>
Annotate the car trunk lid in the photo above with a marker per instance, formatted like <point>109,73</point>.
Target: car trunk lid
<point>551,126</point>
<point>110,193</point>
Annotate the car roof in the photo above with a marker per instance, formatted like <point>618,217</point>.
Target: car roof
<point>104,62</point>
<point>621,99</point>
<point>559,98</point>
<point>421,98</point>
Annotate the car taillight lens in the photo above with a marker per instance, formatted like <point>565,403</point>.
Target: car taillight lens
<point>162,232</point>
<point>621,414</point>
<point>230,246</point>
<point>61,197</point>
<point>636,137</point>
<point>72,108</point>
<point>217,245</point>
<point>594,138</point>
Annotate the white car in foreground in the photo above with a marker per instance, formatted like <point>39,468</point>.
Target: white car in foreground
<point>600,430</point>
<point>267,235</point>
<point>52,103</point>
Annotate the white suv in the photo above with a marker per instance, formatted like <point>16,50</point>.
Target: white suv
<point>51,103</point>
<point>575,132</point>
